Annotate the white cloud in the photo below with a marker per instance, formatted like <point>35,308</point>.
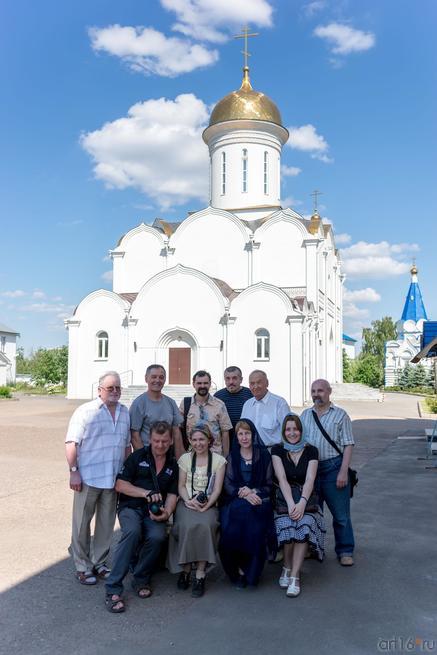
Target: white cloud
<point>290,171</point>
<point>73,223</point>
<point>60,309</point>
<point>305,138</point>
<point>350,310</point>
<point>157,148</point>
<point>38,294</point>
<point>289,201</point>
<point>344,39</point>
<point>203,19</point>
<point>362,295</point>
<point>342,238</point>
<point>107,276</point>
<point>314,7</point>
<point>17,293</point>
<point>376,260</point>
<point>148,51</point>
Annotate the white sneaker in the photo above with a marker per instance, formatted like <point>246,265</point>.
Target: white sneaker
<point>285,578</point>
<point>294,587</point>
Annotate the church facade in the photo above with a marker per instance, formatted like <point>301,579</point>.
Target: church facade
<point>242,282</point>
<point>400,352</point>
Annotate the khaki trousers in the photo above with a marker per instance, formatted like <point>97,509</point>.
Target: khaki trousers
<point>88,502</point>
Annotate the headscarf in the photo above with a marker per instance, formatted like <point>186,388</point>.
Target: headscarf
<point>260,458</point>
<point>291,447</point>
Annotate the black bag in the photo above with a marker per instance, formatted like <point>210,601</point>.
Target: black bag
<point>353,475</point>
<point>280,504</point>
<point>183,426</point>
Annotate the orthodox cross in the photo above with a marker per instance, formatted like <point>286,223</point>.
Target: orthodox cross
<point>245,35</point>
<point>316,193</point>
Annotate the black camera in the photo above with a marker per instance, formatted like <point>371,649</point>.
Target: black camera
<point>155,507</point>
<point>202,498</point>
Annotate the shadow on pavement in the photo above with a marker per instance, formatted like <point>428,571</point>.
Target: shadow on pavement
<point>389,594</point>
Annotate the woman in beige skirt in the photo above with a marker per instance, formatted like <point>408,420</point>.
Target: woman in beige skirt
<point>194,536</point>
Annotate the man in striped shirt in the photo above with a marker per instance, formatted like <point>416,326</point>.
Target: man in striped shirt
<point>332,476</point>
<point>234,395</point>
<point>97,443</point>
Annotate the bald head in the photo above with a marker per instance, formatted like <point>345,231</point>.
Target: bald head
<point>258,384</point>
<point>321,392</point>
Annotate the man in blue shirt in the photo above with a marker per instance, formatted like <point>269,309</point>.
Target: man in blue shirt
<point>233,395</point>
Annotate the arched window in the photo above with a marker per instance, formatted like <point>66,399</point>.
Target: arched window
<point>266,172</point>
<point>102,345</point>
<point>244,170</point>
<point>262,339</point>
<point>223,173</point>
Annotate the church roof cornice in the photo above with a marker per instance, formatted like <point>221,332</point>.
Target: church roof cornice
<point>179,269</point>
<point>101,293</point>
<point>142,227</point>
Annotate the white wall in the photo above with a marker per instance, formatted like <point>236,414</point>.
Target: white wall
<point>280,259</point>
<point>178,300</point>
<point>10,350</point>
<point>98,312</point>
<point>213,243</point>
<point>262,307</point>
<point>137,258</point>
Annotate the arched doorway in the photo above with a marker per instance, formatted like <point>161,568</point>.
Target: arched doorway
<point>181,349</point>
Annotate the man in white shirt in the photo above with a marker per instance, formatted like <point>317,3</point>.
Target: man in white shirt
<point>265,409</point>
<point>97,443</point>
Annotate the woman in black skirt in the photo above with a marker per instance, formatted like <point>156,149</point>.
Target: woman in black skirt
<point>298,517</point>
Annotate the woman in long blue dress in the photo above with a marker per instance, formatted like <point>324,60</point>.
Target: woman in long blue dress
<point>246,515</point>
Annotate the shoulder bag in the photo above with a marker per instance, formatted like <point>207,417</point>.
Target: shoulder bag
<point>353,475</point>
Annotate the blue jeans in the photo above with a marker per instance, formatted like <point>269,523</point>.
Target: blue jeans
<point>136,528</point>
<point>338,501</point>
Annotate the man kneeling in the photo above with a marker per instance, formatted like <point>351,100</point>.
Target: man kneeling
<point>148,487</point>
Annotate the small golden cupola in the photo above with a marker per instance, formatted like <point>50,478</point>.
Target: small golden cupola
<point>315,222</point>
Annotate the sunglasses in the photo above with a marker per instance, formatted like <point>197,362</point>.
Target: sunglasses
<point>110,389</point>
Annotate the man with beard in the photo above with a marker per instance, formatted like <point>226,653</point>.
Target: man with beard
<point>234,395</point>
<point>332,475</point>
<point>205,408</point>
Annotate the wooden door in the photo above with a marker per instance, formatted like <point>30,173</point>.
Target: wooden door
<point>179,365</point>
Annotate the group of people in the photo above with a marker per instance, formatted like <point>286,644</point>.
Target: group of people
<point>236,475</point>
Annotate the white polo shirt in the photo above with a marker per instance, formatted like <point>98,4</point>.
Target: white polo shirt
<point>101,442</point>
<point>267,414</point>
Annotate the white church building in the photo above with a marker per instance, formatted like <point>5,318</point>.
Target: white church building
<point>242,282</point>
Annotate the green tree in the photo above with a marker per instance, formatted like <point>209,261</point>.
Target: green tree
<point>369,370</point>
<point>374,337</point>
<point>24,364</point>
<point>50,365</point>
<point>348,368</point>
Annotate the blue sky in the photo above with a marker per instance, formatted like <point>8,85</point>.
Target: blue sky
<point>356,86</point>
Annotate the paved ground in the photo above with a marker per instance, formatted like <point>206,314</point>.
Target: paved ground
<point>388,598</point>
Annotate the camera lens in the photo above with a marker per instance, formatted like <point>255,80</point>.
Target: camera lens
<point>155,508</point>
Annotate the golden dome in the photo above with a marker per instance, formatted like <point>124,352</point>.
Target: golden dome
<point>413,269</point>
<point>314,225</point>
<point>245,104</point>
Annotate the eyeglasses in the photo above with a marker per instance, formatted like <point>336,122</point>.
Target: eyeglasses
<point>111,389</point>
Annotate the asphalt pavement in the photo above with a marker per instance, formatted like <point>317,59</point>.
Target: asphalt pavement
<point>387,602</point>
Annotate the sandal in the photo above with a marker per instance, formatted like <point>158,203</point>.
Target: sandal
<point>102,572</point>
<point>86,578</point>
<point>111,604</point>
<point>144,592</point>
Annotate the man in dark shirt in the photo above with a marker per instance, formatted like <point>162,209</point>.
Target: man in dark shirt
<point>234,396</point>
<point>148,488</point>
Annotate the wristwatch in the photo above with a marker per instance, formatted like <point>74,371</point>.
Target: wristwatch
<point>74,469</point>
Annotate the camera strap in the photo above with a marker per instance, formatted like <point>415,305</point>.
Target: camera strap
<point>193,469</point>
<point>151,461</point>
